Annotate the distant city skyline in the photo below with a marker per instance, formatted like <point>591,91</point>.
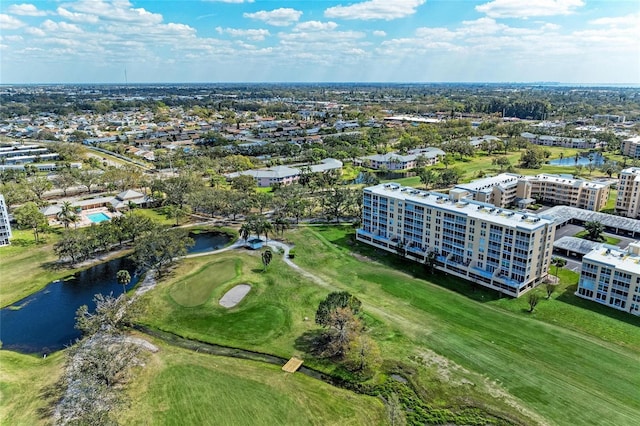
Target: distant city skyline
<point>199,41</point>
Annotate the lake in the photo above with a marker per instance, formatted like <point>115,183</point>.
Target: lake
<point>583,160</point>
<point>44,322</point>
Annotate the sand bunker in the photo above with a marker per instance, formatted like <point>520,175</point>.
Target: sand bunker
<point>235,295</point>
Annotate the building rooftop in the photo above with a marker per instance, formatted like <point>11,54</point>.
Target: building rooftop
<point>486,184</point>
<point>576,245</point>
<point>624,260</point>
<point>562,214</point>
<point>470,208</point>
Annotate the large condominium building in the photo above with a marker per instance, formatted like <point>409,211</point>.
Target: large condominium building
<point>5,227</point>
<point>611,276</point>
<point>500,249</point>
<point>628,200</point>
<point>631,147</point>
<point>567,191</point>
<point>508,189</point>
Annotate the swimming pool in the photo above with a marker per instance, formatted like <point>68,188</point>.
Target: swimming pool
<point>98,217</point>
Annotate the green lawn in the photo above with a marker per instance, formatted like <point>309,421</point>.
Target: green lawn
<point>481,165</point>
<point>26,267</point>
<point>269,318</point>
<point>554,370</point>
<point>607,239</point>
<point>182,387</point>
<point>195,289</point>
<point>27,387</point>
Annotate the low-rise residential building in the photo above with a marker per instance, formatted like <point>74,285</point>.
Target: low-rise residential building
<point>628,199</point>
<point>42,167</point>
<point>611,276</point>
<point>285,175</point>
<point>631,147</point>
<point>507,189</point>
<point>565,142</point>
<point>5,226</point>
<point>496,248</point>
<point>395,161</point>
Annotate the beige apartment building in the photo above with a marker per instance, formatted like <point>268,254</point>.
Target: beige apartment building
<point>507,189</point>
<point>497,248</point>
<point>628,200</point>
<point>631,147</point>
<point>611,276</point>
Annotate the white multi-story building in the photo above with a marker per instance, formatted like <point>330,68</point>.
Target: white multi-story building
<point>497,248</point>
<point>5,227</point>
<point>508,189</point>
<point>628,199</point>
<point>611,276</point>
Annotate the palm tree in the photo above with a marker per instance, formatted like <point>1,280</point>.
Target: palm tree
<point>67,214</point>
<point>267,255</point>
<point>123,278</point>
<point>559,263</point>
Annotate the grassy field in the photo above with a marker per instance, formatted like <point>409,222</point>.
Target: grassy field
<point>481,165</point>
<point>556,371</point>
<point>26,267</point>
<point>607,239</point>
<point>27,387</point>
<point>550,361</point>
<point>181,387</point>
<point>195,289</point>
<point>269,318</point>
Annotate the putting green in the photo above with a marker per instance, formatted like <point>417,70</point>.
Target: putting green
<point>195,289</point>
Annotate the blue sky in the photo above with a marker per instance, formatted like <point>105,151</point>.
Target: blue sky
<point>94,41</point>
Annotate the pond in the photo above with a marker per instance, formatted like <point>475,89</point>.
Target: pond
<point>44,322</point>
<point>582,160</point>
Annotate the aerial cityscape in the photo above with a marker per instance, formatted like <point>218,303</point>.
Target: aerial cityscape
<point>247,212</point>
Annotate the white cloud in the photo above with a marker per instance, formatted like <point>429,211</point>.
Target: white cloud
<point>117,10</point>
<point>9,22</point>
<point>315,26</point>
<point>251,34</point>
<point>77,17</point>
<point>526,9</point>
<point>35,31</point>
<point>375,9</point>
<point>482,26</point>
<point>55,27</point>
<point>438,33</point>
<point>379,33</point>
<point>25,10</point>
<point>279,17</point>
<point>628,20</point>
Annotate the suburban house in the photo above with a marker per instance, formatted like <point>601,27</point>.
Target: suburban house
<point>497,248</point>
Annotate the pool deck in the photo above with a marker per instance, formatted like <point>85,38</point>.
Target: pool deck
<point>84,219</point>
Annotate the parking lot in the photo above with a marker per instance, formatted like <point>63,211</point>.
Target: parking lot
<point>569,230</point>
